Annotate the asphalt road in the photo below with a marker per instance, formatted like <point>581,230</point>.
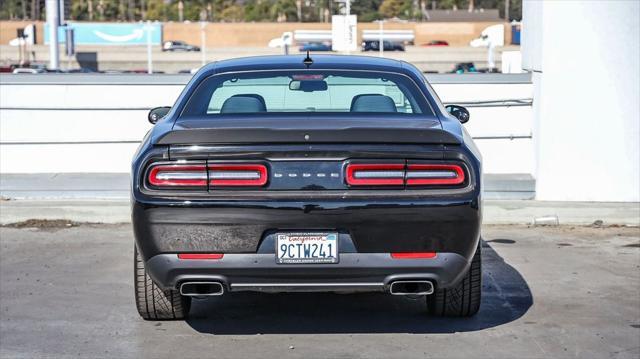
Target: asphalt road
<point>548,293</point>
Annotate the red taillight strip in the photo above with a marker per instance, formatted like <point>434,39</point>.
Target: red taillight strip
<point>369,174</point>
<point>200,255</point>
<point>414,255</point>
<point>250,175</point>
<point>181,175</point>
<point>434,174</point>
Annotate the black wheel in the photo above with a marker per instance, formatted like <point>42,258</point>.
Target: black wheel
<point>152,302</point>
<point>463,300</point>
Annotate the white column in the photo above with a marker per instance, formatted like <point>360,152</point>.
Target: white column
<point>586,99</point>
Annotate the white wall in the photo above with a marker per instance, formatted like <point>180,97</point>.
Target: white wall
<point>586,98</point>
<point>44,129</point>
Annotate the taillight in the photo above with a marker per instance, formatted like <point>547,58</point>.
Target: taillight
<point>397,174</point>
<point>374,174</point>
<point>178,175</point>
<point>249,175</point>
<point>434,174</point>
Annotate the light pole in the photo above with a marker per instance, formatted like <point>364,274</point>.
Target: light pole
<point>380,37</point>
<point>149,61</point>
<point>506,10</point>
<point>52,22</point>
<point>203,42</point>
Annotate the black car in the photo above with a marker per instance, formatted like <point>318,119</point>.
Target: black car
<point>372,45</point>
<point>294,173</point>
<point>179,46</point>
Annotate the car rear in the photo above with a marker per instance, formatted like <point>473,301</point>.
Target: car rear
<point>365,192</point>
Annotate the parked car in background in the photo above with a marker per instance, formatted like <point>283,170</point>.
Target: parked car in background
<point>28,70</point>
<point>315,46</point>
<point>189,71</point>
<point>464,67</point>
<point>178,46</point>
<point>314,173</point>
<point>371,45</point>
<point>436,43</point>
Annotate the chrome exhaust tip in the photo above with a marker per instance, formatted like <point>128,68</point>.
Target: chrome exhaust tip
<point>411,287</point>
<point>200,289</point>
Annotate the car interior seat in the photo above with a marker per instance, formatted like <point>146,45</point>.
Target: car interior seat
<point>373,103</point>
<point>244,103</point>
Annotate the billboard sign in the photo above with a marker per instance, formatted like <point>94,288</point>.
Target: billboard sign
<point>110,33</point>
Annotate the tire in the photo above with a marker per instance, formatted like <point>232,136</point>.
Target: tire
<point>152,302</point>
<point>463,300</point>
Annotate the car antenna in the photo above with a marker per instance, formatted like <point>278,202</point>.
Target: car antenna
<point>307,60</point>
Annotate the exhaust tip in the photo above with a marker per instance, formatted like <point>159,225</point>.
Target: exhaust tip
<point>411,287</point>
<point>199,289</point>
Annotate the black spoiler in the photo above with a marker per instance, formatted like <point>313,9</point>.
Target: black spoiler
<point>308,129</point>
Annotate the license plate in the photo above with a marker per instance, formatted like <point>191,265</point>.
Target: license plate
<point>296,248</point>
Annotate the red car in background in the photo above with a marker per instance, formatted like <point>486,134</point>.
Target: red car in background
<point>436,43</point>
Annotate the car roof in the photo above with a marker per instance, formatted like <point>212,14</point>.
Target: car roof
<point>282,62</point>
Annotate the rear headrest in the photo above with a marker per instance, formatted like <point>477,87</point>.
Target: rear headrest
<point>244,103</point>
<point>373,103</point>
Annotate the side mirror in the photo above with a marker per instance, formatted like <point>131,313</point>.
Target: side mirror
<point>157,113</point>
<point>459,112</point>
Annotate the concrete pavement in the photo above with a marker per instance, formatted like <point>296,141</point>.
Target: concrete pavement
<point>547,293</point>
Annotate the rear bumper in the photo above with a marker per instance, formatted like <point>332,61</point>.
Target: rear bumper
<point>443,225</point>
<point>368,231</point>
<point>259,272</point>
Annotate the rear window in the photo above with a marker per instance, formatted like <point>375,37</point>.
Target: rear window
<point>306,91</point>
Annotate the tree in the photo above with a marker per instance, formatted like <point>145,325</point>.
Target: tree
<point>233,13</point>
<point>246,10</point>
<point>395,8</point>
<point>367,10</point>
<point>285,10</point>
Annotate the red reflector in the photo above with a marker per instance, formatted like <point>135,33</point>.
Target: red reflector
<point>250,175</point>
<point>200,255</point>
<point>179,175</point>
<point>413,255</point>
<point>434,174</point>
<point>373,174</point>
